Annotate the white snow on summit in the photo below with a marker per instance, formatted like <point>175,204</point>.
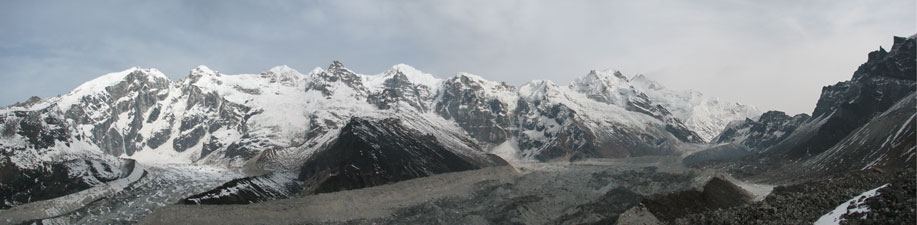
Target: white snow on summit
<point>607,85</point>
<point>705,115</point>
<point>375,82</point>
<point>98,85</point>
<point>292,114</point>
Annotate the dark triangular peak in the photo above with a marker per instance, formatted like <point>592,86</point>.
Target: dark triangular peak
<point>337,66</point>
<point>398,80</point>
<point>404,85</point>
<point>371,152</point>
<point>336,72</point>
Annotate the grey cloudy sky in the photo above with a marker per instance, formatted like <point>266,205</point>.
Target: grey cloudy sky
<point>772,54</point>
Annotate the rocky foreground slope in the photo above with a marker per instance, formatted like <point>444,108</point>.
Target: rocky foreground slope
<point>861,136</point>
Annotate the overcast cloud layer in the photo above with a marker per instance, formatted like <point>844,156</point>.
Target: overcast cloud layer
<point>772,54</point>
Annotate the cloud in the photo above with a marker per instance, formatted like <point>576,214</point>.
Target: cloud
<point>773,54</point>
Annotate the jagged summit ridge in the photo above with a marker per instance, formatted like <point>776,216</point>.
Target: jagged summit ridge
<point>280,117</point>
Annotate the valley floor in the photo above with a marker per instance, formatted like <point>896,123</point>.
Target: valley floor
<point>592,191</point>
<point>530,193</point>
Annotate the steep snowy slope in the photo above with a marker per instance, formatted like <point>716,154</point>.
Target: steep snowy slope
<point>613,88</point>
<point>564,122</point>
<point>705,115</point>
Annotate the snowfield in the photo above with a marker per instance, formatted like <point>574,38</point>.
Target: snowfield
<point>855,205</point>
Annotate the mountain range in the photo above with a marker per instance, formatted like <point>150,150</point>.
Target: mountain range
<point>284,134</point>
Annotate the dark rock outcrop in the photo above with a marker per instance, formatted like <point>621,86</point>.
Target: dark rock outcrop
<point>806,202</point>
<point>718,193</point>
<point>615,89</point>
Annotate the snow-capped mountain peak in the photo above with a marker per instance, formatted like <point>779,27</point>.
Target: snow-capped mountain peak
<point>608,86</point>
<point>111,79</point>
<point>404,74</point>
<point>338,69</point>
<point>336,78</point>
<point>538,89</point>
<point>641,80</point>
<point>283,74</point>
<point>197,73</point>
<point>608,74</point>
<point>228,119</point>
<point>490,88</point>
<point>414,76</point>
<point>337,66</point>
<point>705,115</point>
<point>203,70</point>
<point>471,76</point>
<point>134,76</point>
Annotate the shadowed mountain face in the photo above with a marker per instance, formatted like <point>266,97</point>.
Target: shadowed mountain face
<point>885,79</point>
<point>370,153</point>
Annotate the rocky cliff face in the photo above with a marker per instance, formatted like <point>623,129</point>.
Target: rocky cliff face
<point>482,108</point>
<point>866,122</point>
<point>887,142</point>
<point>885,79</point>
